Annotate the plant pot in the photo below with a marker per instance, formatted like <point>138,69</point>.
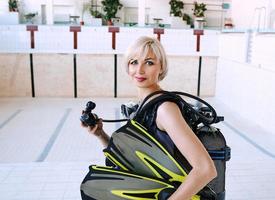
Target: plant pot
<point>110,23</point>
<point>199,22</point>
<point>116,21</point>
<point>13,9</point>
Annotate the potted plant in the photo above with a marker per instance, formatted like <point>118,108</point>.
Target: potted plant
<point>176,8</point>
<point>176,13</point>
<point>13,5</point>
<point>94,9</point>
<point>198,11</point>
<point>95,13</point>
<point>96,18</point>
<point>187,18</point>
<point>30,17</point>
<point>110,7</point>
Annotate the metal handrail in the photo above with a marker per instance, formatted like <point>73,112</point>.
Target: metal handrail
<point>260,11</point>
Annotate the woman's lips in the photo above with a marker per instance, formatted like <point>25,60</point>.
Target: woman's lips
<point>140,79</point>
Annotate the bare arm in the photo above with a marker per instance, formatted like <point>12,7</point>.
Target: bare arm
<point>170,119</point>
<point>98,131</point>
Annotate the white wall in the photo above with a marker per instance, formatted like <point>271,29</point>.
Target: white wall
<point>248,88</point>
<point>68,7</point>
<point>154,9</point>
<point>159,9</point>
<point>4,6</point>
<point>7,17</point>
<point>245,16</point>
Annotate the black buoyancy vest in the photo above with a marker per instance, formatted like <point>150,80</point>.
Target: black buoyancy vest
<point>211,137</point>
<point>148,119</point>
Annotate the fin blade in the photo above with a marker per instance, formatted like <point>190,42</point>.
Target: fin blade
<point>108,183</point>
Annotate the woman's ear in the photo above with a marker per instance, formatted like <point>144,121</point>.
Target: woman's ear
<point>161,73</point>
<point>161,70</point>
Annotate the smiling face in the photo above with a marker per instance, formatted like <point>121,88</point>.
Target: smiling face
<point>146,63</point>
<point>145,72</point>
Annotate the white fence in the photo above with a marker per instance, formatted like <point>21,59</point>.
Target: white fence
<point>98,40</point>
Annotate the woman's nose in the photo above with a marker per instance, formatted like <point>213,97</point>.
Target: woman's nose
<point>140,69</point>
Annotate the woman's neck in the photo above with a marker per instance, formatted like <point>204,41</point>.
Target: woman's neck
<point>143,92</point>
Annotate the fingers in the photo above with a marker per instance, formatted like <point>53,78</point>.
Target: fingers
<point>100,124</point>
<point>83,125</point>
<point>92,129</point>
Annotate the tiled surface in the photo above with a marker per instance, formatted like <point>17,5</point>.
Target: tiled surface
<point>27,127</point>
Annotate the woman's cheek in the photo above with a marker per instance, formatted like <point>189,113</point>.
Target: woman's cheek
<point>131,70</point>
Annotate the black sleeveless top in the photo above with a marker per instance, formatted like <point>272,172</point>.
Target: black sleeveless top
<point>148,120</point>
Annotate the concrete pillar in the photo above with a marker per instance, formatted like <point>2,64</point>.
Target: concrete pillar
<point>141,12</point>
<point>49,11</point>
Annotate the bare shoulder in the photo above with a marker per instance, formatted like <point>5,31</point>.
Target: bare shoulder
<point>168,108</point>
<point>168,113</point>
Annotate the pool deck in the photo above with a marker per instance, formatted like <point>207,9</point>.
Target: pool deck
<point>45,154</point>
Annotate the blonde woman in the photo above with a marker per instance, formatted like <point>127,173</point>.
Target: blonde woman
<point>146,65</point>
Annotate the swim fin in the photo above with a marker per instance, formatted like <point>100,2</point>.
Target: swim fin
<point>103,183</point>
<point>133,149</point>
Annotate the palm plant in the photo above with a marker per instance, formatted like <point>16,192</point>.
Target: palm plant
<point>94,9</point>
<point>110,7</point>
<point>187,18</point>
<point>13,5</point>
<point>176,8</point>
<point>199,9</point>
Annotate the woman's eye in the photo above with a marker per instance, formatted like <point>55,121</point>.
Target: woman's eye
<point>133,62</point>
<point>149,62</point>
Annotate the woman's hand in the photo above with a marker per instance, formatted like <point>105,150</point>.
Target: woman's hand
<point>98,131</point>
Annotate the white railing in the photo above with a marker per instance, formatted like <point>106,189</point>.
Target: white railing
<point>251,47</point>
<point>98,40</point>
<point>260,12</point>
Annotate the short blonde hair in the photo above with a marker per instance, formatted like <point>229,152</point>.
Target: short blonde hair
<point>142,46</point>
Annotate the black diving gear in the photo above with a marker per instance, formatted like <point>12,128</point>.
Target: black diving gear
<point>151,153</point>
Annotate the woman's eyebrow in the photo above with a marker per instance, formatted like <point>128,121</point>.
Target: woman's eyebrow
<point>148,59</point>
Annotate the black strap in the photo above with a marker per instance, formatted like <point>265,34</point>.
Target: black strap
<point>224,154</point>
<point>148,97</point>
<point>175,97</point>
<point>153,102</point>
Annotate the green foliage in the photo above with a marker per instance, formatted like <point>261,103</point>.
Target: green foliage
<point>176,8</point>
<point>94,9</point>
<point>110,7</point>
<point>30,16</point>
<point>13,5</point>
<point>187,18</point>
<point>199,9</point>
<point>96,13</point>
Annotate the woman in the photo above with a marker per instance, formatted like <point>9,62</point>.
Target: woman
<point>146,64</point>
